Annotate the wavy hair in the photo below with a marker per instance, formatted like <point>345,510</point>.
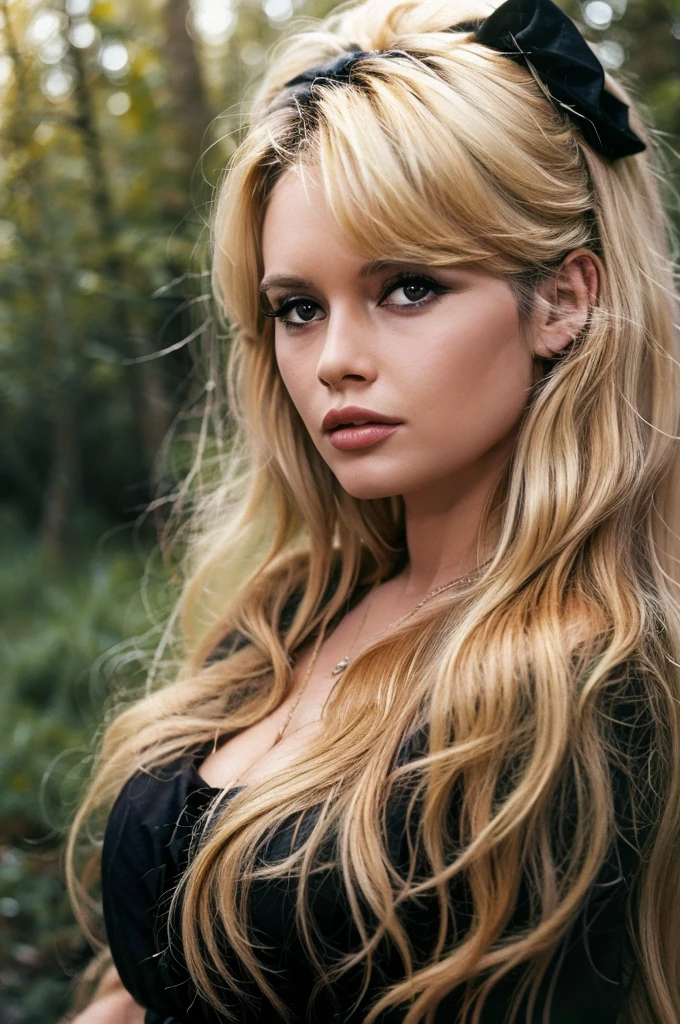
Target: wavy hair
<point>450,152</point>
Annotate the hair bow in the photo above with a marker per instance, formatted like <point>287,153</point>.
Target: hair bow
<point>540,33</point>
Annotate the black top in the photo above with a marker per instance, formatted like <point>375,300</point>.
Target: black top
<point>146,849</point>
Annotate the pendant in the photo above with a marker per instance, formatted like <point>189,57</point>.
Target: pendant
<point>340,667</point>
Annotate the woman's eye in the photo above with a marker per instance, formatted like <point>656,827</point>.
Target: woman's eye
<point>306,315</point>
<point>415,288</point>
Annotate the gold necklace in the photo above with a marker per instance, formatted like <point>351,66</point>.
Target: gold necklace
<point>344,662</point>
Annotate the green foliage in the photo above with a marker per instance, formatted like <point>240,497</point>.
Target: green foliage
<point>73,637</point>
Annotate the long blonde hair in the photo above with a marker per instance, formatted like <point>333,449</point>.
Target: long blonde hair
<point>452,152</point>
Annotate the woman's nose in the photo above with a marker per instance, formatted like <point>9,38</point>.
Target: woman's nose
<point>346,348</point>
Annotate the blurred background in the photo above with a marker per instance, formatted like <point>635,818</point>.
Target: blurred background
<point>116,119</point>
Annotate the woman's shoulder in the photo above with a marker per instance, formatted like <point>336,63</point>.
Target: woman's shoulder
<point>150,804</point>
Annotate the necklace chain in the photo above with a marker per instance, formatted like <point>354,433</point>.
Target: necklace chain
<point>344,662</point>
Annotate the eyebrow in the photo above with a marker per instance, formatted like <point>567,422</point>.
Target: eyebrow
<point>291,281</point>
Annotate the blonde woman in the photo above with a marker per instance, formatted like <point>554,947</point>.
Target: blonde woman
<point>420,759</point>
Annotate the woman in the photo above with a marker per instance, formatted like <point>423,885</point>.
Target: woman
<point>420,759</point>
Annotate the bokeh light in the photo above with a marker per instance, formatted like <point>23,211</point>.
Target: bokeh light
<point>118,103</point>
<point>611,54</point>
<point>45,25</point>
<point>78,8</point>
<point>598,14</point>
<point>278,10</point>
<point>82,34</point>
<point>213,20</point>
<point>57,84</point>
<point>113,56</point>
<point>54,50</point>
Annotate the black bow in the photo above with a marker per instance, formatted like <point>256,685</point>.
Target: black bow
<point>539,32</point>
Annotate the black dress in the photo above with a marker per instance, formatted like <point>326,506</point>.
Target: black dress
<point>146,849</point>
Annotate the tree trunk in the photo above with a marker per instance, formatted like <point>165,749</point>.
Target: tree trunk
<point>151,407</point>
<point>190,112</point>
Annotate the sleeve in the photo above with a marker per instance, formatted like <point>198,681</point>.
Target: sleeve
<point>136,857</point>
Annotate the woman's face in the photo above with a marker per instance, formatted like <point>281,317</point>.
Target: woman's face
<point>440,351</point>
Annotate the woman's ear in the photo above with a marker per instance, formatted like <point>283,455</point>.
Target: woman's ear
<point>564,301</point>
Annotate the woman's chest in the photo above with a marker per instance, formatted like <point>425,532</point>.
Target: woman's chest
<point>256,753</point>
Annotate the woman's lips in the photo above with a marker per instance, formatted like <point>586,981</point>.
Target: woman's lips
<point>367,434</point>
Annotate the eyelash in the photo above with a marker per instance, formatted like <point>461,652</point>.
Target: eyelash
<point>404,279</point>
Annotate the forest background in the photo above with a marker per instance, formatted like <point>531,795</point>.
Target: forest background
<point>116,119</point>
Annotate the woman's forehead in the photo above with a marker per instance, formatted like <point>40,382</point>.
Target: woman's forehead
<point>299,223</point>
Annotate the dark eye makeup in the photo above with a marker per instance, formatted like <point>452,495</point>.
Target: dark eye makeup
<point>404,280</point>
